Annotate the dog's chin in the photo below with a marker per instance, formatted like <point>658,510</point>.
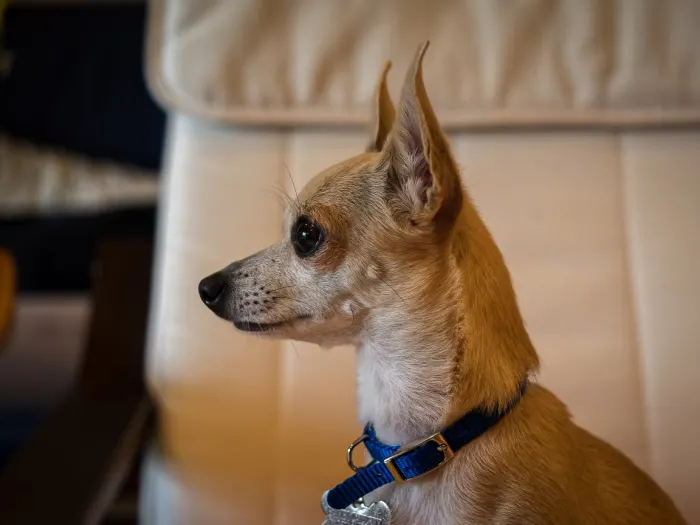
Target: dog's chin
<point>324,332</point>
<point>269,329</point>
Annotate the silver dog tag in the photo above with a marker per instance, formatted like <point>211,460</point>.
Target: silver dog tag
<point>377,513</point>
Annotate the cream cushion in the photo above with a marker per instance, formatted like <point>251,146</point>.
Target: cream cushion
<point>490,63</point>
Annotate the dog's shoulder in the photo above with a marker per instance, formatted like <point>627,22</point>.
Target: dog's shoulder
<point>536,464</point>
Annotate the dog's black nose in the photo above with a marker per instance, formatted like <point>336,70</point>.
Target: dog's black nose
<point>211,288</point>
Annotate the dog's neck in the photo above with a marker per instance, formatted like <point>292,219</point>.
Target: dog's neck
<point>454,343</point>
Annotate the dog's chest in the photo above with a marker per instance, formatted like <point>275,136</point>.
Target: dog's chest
<point>453,496</point>
<point>424,503</point>
<point>388,390</point>
<point>375,384</point>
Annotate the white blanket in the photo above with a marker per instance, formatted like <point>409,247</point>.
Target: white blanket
<point>40,180</point>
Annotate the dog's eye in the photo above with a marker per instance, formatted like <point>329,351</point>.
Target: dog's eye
<point>306,237</point>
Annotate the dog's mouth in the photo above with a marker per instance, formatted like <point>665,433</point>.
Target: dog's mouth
<point>255,327</point>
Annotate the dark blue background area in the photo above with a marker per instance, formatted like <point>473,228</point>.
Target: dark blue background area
<point>15,427</point>
<point>55,254</point>
<point>77,82</point>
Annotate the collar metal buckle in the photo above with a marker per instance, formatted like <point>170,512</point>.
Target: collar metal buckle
<point>442,446</point>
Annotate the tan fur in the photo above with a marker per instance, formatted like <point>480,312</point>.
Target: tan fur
<point>410,274</point>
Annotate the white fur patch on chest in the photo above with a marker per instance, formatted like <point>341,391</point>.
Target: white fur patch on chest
<point>400,396</point>
<point>375,385</point>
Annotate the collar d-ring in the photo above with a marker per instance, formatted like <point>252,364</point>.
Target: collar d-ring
<point>351,448</point>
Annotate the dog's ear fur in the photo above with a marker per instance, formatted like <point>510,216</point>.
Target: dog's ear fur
<point>384,113</point>
<point>423,180</point>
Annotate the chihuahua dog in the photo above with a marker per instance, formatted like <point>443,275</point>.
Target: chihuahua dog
<point>385,251</point>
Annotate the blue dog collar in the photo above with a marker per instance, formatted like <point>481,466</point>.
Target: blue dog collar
<point>397,464</point>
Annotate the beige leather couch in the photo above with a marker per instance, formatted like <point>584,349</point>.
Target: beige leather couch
<point>578,128</point>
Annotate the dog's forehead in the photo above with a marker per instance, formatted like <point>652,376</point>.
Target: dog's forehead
<point>335,182</point>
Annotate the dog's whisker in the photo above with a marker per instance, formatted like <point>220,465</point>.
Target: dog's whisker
<point>392,289</point>
<point>283,288</point>
<point>352,312</point>
<point>296,350</point>
<point>291,179</point>
<point>291,204</point>
<point>286,202</point>
<point>293,299</point>
<point>277,192</point>
<point>293,312</point>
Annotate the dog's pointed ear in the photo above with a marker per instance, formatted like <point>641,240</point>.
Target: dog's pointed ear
<point>424,182</point>
<point>384,112</point>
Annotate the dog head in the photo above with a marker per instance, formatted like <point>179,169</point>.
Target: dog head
<point>367,234</point>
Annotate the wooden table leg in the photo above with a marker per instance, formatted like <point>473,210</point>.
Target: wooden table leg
<point>7,295</point>
<point>71,469</point>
